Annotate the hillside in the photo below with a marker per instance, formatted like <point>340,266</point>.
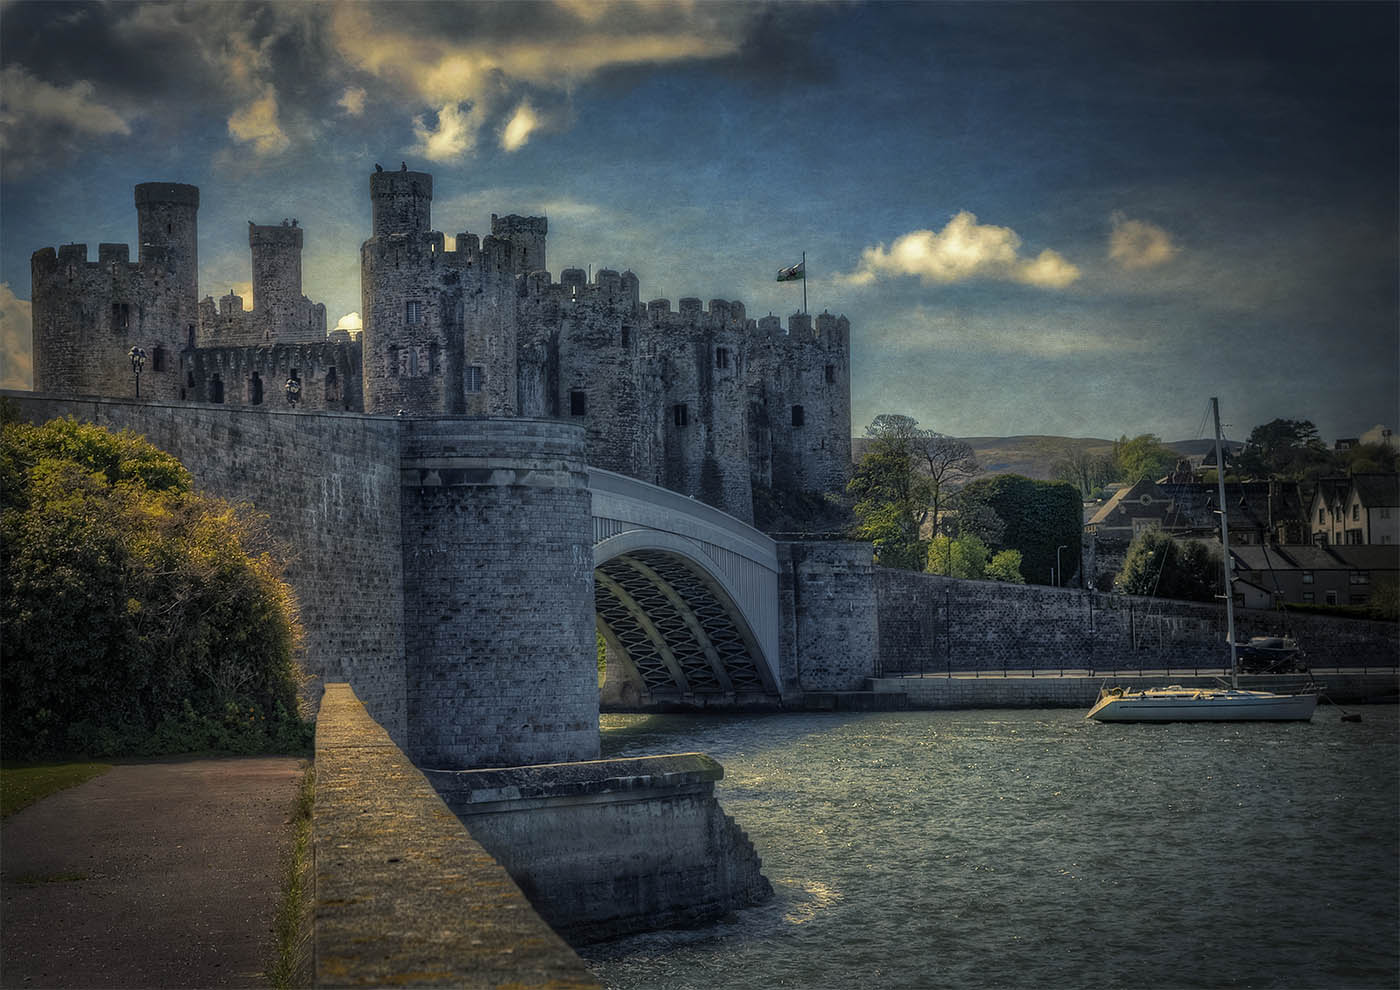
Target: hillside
<point>1033,456</point>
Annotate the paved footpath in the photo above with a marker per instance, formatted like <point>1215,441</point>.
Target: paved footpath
<point>164,874</point>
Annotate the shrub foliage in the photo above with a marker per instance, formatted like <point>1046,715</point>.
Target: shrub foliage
<point>139,617</point>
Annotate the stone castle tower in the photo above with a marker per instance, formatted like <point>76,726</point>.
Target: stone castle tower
<point>699,398</point>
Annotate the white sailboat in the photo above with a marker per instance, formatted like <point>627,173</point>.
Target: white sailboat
<point>1207,704</point>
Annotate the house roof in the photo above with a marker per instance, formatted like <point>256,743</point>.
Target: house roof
<point>1377,490</point>
<point>1307,557</point>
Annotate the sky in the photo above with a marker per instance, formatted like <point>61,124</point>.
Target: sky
<point>1069,219</point>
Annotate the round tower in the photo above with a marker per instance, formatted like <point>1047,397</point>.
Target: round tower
<point>277,280</point>
<point>527,239</point>
<point>402,202</point>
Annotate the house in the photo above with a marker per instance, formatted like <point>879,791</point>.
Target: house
<point>1323,575</point>
<point>1257,511</point>
<point>1361,510</point>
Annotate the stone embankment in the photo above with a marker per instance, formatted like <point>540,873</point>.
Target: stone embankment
<point>403,895</point>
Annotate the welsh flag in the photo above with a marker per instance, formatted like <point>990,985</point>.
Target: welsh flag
<point>794,274</point>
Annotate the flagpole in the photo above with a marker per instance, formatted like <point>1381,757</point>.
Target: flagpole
<point>804,282</point>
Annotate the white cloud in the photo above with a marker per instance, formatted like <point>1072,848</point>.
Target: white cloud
<point>351,322</point>
<point>257,124</point>
<point>352,101</point>
<point>26,99</point>
<point>453,137</point>
<point>964,249</point>
<point>520,127</point>
<point>16,340</point>
<point>1137,244</point>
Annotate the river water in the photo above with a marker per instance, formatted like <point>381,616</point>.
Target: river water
<point>1036,849</point>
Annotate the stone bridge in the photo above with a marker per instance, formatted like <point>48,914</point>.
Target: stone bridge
<point>686,598</point>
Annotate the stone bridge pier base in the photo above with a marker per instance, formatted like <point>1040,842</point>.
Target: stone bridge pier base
<point>826,592</point>
<point>498,593</point>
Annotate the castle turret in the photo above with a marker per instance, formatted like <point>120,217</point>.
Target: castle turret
<point>527,239</point>
<point>277,281</point>
<point>166,221</point>
<point>402,202</point>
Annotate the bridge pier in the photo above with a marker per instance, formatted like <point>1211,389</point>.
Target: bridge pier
<point>826,593</point>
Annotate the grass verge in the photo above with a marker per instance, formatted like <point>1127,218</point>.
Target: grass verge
<point>291,963</point>
<point>23,784</point>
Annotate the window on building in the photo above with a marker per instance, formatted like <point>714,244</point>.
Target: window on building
<point>831,374</point>
<point>1307,577</point>
<point>255,389</point>
<point>578,403</point>
<point>189,379</point>
<point>721,357</point>
<point>798,416</point>
<point>471,379</point>
<point>1331,598</point>
<point>1321,514</point>
<point>1360,577</point>
<point>1355,513</point>
<point>121,316</point>
<point>1308,597</point>
<point>626,336</point>
<point>1385,512</point>
<point>393,362</point>
<point>681,412</point>
<point>413,362</point>
<point>1359,599</point>
<point>413,312</point>
<point>332,386</point>
<point>190,330</point>
<point>160,359</point>
<point>216,389</point>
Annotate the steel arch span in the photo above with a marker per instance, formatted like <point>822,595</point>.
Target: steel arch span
<point>686,596</point>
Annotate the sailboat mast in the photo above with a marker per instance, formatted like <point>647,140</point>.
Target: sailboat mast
<point>1225,548</point>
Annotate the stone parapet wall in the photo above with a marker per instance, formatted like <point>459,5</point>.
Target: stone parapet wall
<point>611,847</point>
<point>404,896</point>
<point>934,623</point>
<point>329,484</point>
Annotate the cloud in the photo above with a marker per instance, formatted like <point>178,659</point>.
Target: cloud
<point>352,101</point>
<point>351,322</point>
<point>520,127</point>
<point>922,331</point>
<point>1137,244</point>
<point>451,137</point>
<point>37,117</point>
<point>16,340</point>
<point>964,249</point>
<point>257,124</point>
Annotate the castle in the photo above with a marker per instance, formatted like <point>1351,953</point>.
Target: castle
<point>702,400</point>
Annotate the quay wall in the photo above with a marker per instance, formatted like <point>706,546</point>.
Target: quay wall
<point>936,624</point>
<point>403,894</point>
<point>329,485</point>
<point>612,847</point>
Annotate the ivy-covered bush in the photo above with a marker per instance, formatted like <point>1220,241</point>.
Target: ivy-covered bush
<point>138,617</point>
<point>1038,517</point>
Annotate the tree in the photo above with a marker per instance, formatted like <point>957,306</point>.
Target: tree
<point>1161,566</point>
<point>1038,517</point>
<point>1144,456</point>
<point>901,485</point>
<point>1005,565</point>
<point>963,557</point>
<point>1286,449</point>
<point>1371,458</point>
<point>1080,467</point>
<point>138,616</point>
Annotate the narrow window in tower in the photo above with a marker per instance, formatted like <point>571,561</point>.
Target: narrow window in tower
<point>413,312</point>
<point>721,357</point>
<point>831,374</point>
<point>158,359</point>
<point>626,336</point>
<point>393,361</point>
<point>332,386</point>
<point>682,413</point>
<point>216,389</point>
<point>472,379</point>
<point>121,316</point>
<point>798,416</point>
<point>413,362</point>
<point>255,389</point>
<point>578,403</point>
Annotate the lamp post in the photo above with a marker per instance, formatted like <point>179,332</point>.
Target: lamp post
<point>138,361</point>
<point>293,387</point>
<point>1060,581</point>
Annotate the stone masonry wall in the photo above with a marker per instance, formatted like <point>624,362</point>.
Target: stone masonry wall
<point>829,616</point>
<point>936,624</point>
<point>330,486</point>
<point>498,586</point>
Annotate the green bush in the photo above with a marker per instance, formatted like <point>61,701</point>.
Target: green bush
<point>137,616</point>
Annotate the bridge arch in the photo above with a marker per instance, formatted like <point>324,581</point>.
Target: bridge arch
<point>685,596</point>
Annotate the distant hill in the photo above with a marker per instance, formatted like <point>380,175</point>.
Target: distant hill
<point>1033,456</point>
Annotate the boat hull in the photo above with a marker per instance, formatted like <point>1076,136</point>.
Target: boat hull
<point>1205,705</point>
